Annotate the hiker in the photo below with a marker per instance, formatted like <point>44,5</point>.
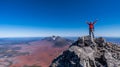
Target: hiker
<point>91,28</point>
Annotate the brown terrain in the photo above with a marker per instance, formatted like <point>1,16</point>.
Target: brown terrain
<point>41,53</point>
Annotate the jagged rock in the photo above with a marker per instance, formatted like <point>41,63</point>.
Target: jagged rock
<point>85,53</point>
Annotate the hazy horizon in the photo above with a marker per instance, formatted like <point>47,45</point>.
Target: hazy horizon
<point>60,36</point>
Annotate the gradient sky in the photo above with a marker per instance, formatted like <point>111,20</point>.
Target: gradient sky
<point>24,18</point>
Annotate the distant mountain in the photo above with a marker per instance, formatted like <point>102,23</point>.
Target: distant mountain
<point>27,40</point>
<point>58,41</point>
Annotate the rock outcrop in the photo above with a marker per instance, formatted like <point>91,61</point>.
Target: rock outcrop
<point>84,53</point>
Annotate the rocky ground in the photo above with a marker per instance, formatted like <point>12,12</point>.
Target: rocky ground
<point>85,53</point>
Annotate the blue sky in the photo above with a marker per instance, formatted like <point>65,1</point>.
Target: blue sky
<point>32,18</point>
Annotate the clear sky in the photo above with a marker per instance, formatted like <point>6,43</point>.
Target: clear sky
<point>24,18</point>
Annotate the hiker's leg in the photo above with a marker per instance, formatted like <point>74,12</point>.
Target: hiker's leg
<point>90,32</point>
<point>93,34</point>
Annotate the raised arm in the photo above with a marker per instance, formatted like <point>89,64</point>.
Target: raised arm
<point>94,21</point>
<point>87,22</point>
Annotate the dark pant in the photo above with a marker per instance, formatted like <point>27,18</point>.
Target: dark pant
<point>91,33</point>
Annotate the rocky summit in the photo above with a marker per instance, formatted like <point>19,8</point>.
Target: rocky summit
<point>87,53</point>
